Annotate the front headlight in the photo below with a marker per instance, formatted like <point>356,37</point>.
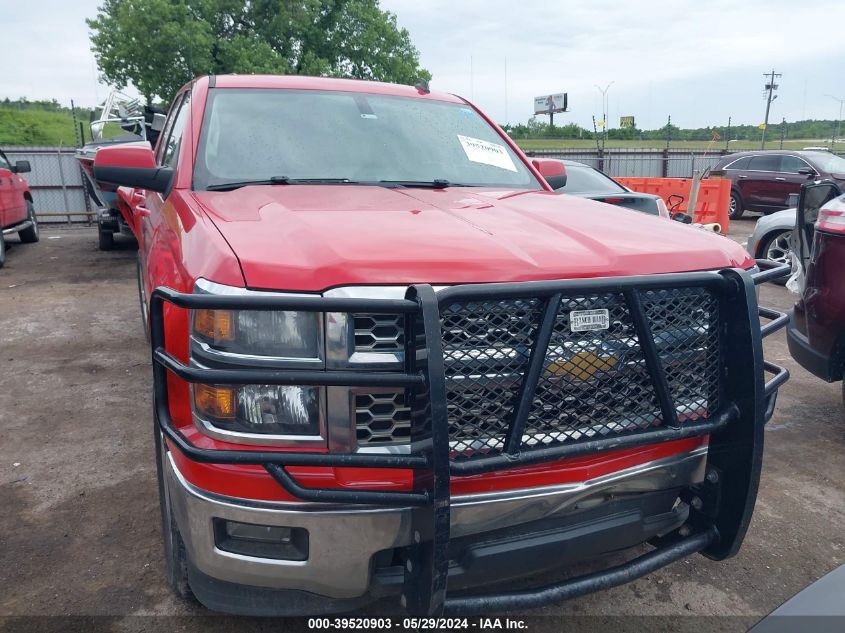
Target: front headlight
<point>279,335</point>
<point>271,339</point>
<point>279,410</point>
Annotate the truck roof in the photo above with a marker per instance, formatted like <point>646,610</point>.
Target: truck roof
<point>302,82</point>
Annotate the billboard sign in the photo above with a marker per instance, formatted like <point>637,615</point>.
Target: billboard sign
<point>548,104</point>
<point>626,121</point>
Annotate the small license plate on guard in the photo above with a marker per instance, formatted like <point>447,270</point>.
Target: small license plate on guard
<point>588,320</point>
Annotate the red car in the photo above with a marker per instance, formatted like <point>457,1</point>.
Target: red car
<point>391,361</point>
<point>764,180</point>
<point>816,332</point>
<point>17,215</point>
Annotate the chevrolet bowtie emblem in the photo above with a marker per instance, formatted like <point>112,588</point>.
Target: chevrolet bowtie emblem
<point>582,365</point>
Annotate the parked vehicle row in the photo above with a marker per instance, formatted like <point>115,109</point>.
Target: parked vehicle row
<point>17,213</point>
<point>764,180</point>
<point>772,238</point>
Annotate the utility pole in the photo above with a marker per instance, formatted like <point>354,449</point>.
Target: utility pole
<point>668,132</point>
<point>728,136</point>
<point>782,131</point>
<point>838,125</point>
<point>770,87</point>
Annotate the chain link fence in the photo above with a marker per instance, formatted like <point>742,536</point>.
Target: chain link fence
<point>638,163</point>
<point>56,182</point>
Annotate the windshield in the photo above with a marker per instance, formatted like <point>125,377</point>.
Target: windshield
<point>290,135</point>
<point>583,179</point>
<point>831,163</point>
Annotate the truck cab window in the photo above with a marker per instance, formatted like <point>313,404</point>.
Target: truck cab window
<point>170,148</point>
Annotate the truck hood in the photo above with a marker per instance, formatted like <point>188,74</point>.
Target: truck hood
<point>313,237</point>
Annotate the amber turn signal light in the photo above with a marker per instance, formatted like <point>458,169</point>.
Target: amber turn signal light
<point>214,402</point>
<point>217,325</point>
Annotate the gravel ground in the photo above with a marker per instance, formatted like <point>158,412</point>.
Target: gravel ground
<point>79,530</point>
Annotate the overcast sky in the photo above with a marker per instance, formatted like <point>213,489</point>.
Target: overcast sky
<point>700,61</point>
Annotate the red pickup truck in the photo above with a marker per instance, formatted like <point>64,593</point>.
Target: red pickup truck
<point>17,215</point>
<point>390,361</point>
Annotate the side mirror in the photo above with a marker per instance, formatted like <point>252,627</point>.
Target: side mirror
<point>553,171</point>
<point>680,216</point>
<point>130,166</point>
<point>22,167</point>
<point>807,171</point>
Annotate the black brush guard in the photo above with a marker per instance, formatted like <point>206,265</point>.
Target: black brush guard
<point>726,499</point>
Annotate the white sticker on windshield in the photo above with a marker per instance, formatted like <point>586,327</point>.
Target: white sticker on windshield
<point>479,151</point>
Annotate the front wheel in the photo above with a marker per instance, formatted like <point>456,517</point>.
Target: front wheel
<point>735,209</point>
<point>30,235</point>
<point>777,248</point>
<point>2,250</point>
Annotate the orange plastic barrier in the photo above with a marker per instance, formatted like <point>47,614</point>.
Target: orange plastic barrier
<point>714,196</point>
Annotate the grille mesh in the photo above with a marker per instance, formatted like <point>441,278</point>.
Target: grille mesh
<point>486,346</point>
<point>595,384</point>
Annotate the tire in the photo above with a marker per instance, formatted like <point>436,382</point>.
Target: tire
<point>30,235</point>
<point>142,300</point>
<point>106,240</point>
<point>2,250</point>
<point>735,209</point>
<point>776,247</point>
<point>176,559</point>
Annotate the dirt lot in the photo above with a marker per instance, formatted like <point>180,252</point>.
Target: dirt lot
<point>79,530</point>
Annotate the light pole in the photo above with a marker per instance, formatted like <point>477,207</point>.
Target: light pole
<point>605,103</point>
<point>838,121</point>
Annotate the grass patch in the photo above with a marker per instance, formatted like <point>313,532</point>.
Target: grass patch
<point>39,127</point>
<point>35,127</point>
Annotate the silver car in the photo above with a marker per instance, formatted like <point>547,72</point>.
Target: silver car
<point>772,238</point>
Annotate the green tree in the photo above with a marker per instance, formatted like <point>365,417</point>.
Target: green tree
<point>159,45</point>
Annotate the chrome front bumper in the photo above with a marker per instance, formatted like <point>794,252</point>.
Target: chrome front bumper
<point>344,538</point>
